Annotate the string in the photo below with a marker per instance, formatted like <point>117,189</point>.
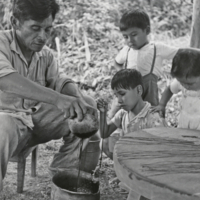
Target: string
<point>101,154</point>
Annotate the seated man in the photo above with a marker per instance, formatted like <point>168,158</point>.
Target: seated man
<point>35,101</point>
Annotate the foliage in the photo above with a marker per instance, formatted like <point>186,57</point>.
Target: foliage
<point>174,17</point>
<point>85,40</point>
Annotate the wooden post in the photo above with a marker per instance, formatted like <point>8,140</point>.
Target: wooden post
<point>21,165</point>
<point>195,31</point>
<point>34,161</point>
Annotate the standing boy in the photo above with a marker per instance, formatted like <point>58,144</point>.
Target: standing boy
<point>141,54</point>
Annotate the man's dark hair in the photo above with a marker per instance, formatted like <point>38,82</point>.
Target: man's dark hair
<point>186,63</point>
<point>37,10</point>
<point>134,18</point>
<point>126,79</point>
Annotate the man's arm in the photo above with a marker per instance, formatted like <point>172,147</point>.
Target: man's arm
<point>22,87</point>
<point>71,89</point>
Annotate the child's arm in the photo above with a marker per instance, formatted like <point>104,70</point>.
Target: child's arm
<point>121,58</point>
<point>173,88</point>
<point>166,51</point>
<point>106,129</point>
<point>117,65</point>
<point>166,96</point>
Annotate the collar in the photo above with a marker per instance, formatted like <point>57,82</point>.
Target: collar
<point>143,113</point>
<point>147,46</point>
<point>14,46</point>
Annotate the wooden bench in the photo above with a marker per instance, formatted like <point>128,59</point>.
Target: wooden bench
<point>21,165</point>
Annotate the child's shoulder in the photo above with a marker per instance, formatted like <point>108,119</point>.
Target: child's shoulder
<point>155,120</point>
<point>154,115</point>
<point>163,46</point>
<point>160,44</point>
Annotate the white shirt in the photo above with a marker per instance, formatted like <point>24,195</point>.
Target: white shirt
<point>142,59</point>
<point>144,119</point>
<point>189,116</point>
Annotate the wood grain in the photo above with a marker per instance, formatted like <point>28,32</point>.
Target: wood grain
<point>160,163</point>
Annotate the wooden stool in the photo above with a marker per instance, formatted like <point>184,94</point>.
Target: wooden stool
<point>160,163</point>
<point>21,165</point>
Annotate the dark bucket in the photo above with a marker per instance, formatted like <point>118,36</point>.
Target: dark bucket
<point>64,184</point>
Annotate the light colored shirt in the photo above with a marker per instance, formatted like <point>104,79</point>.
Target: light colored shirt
<point>42,69</point>
<point>142,59</point>
<point>144,119</point>
<point>189,116</point>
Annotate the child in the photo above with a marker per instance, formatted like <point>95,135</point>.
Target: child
<point>134,113</point>
<point>186,70</point>
<point>139,53</point>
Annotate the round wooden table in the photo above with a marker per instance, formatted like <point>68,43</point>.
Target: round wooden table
<point>160,163</point>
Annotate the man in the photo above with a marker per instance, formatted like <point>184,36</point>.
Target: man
<point>35,101</point>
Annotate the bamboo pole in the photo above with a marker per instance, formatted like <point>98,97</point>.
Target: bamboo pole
<point>195,30</point>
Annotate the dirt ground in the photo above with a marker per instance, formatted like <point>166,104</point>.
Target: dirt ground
<point>39,188</point>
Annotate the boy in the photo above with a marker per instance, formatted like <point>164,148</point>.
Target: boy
<point>134,113</point>
<point>139,53</point>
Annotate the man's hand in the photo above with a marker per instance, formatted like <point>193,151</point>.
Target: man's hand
<point>160,109</point>
<point>74,107</point>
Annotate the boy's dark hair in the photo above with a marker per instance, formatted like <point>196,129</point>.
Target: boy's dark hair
<point>186,63</point>
<point>37,10</point>
<point>126,79</point>
<point>134,18</point>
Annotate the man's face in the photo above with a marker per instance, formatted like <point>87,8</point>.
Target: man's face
<point>192,83</point>
<point>33,35</point>
<point>135,37</point>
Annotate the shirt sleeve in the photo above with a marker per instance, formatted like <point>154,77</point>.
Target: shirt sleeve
<point>5,64</point>
<point>154,120</point>
<point>165,51</point>
<point>175,86</point>
<point>117,119</point>
<point>122,55</point>
<point>55,79</point>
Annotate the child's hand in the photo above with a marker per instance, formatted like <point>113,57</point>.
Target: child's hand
<point>160,109</point>
<point>102,105</point>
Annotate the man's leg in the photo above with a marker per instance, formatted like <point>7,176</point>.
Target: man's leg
<point>50,124</point>
<point>10,131</point>
<point>68,155</point>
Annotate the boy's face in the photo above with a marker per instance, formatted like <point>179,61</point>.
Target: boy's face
<point>135,37</point>
<point>127,99</point>
<point>192,83</point>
